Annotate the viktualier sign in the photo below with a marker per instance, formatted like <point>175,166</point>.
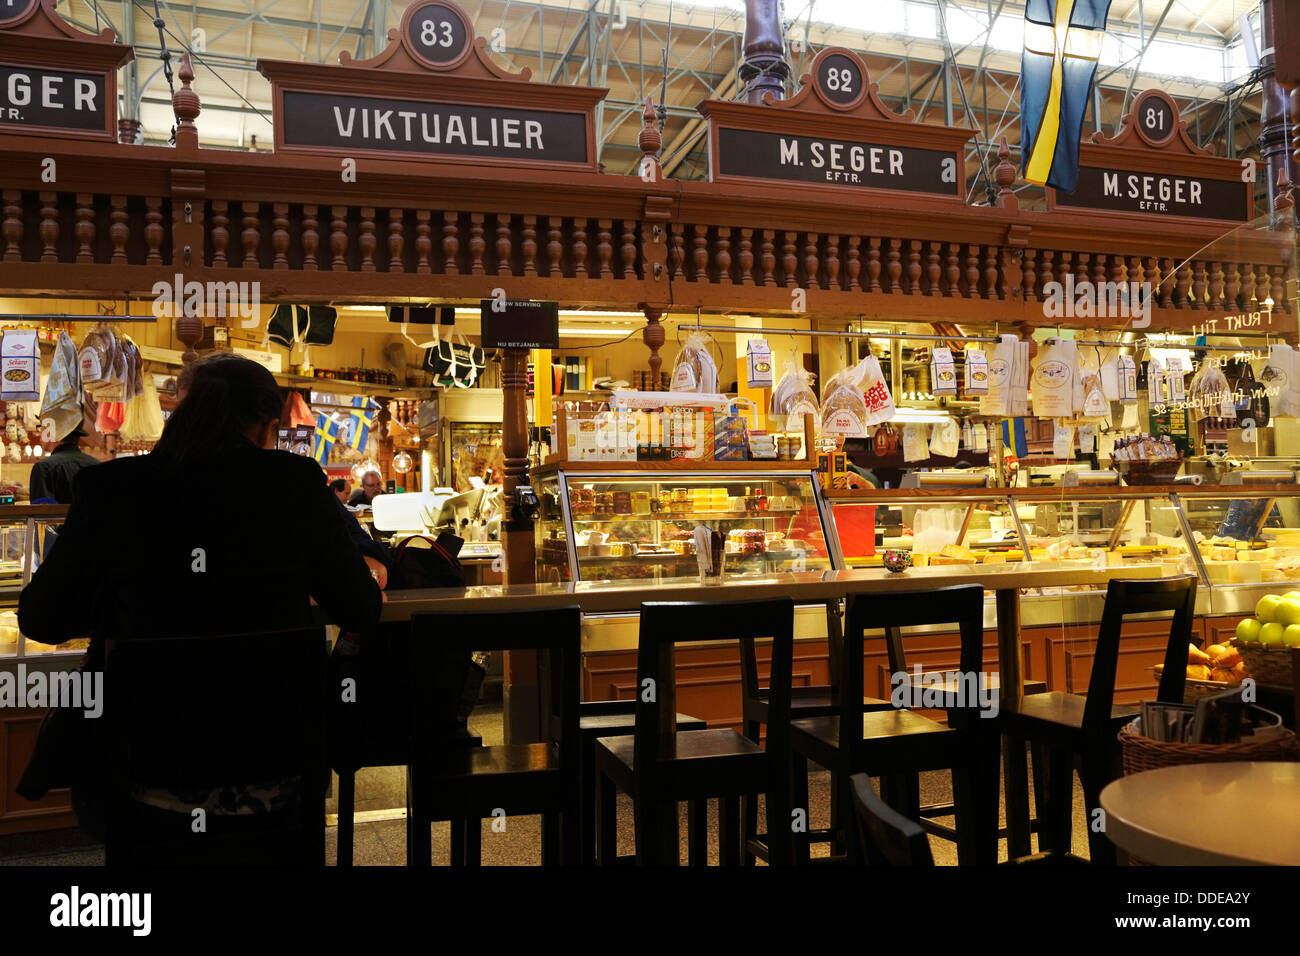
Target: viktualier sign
<point>355,122</point>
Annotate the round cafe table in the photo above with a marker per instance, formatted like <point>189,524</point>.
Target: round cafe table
<point>1209,814</point>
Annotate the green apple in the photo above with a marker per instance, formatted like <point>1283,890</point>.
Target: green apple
<point>1271,633</point>
<point>1266,609</point>
<point>1291,636</point>
<point>1291,596</point>
<point>1248,630</point>
<point>1288,612</point>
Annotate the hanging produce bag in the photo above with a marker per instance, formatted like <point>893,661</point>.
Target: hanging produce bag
<point>996,401</point>
<point>844,408</point>
<point>1055,378</point>
<point>879,403</point>
<point>144,419</point>
<point>945,438</point>
<point>794,397</point>
<point>915,447</point>
<point>1280,375</point>
<point>694,369</point>
<point>61,409</point>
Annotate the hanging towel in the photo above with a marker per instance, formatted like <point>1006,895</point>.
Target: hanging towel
<point>61,410</point>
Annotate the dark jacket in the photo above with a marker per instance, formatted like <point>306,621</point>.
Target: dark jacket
<point>53,477</point>
<point>143,553</point>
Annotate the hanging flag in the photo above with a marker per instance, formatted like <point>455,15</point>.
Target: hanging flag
<point>362,418</point>
<point>327,433</point>
<point>1062,44</point>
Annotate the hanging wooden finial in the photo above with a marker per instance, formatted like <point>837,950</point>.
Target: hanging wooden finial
<point>1004,176</point>
<point>1283,199</point>
<point>185,104</point>
<point>649,141</point>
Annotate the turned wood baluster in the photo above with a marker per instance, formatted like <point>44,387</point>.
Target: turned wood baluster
<point>953,272</point>
<point>529,245</point>
<point>1064,267</point>
<point>84,230</point>
<point>366,240</point>
<point>118,232</point>
<point>790,261</point>
<point>854,267</point>
<point>13,225</point>
<point>1216,285</point>
<point>450,243</point>
<point>1198,284</point>
<point>894,266</point>
<point>1136,274</point>
<point>628,249</point>
<point>811,264</point>
<point>913,267</point>
<point>250,236</point>
<point>153,231</point>
<point>338,238</point>
<point>767,257</point>
<point>423,241</point>
<point>49,227</point>
<point>220,231</point>
<point>1263,285</point>
<point>746,257</point>
<point>1099,272</point>
<point>972,272</point>
<point>310,239</point>
<point>832,259</point>
<point>932,270</point>
<point>991,272</point>
<point>477,244</point>
<point>502,247</point>
<point>1081,269</point>
<point>677,250</point>
<point>722,257</point>
<point>1167,283</point>
<point>873,264</point>
<point>1028,275</point>
<point>1247,287</point>
<point>580,248</point>
<point>396,239</point>
<point>1183,287</point>
<point>1278,290</point>
<point>700,253</point>
<point>1046,272</point>
<point>1118,272</point>
<point>604,250</point>
<point>1232,287</point>
<point>280,235</point>
<point>555,245</point>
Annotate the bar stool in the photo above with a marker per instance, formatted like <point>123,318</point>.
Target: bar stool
<point>899,743</point>
<point>1064,728</point>
<point>814,701</point>
<point>464,786</point>
<point>660,766</point>
<point>607,718</point>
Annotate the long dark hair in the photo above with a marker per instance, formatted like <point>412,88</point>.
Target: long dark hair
<point>225,394</point>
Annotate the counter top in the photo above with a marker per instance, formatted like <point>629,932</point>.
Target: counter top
<point>803,587</point>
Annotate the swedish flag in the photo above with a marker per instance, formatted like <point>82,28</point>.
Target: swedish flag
<point>1062,44</point>
<point>362,416</point>
<point>327,433</point>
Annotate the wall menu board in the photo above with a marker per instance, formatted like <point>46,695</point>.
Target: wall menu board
<point>519,324</point>
<point>835,131</point>
<point>1151,168</point>
<point>365,123</point>
<point>759,155</point>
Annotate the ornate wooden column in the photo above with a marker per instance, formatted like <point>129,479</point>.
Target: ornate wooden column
<point>187,204</point>
<point>521,700</point>
<point>1275,126</point>
<point>763,69</point>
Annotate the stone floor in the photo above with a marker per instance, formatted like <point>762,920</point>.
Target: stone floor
<point>380,831</point>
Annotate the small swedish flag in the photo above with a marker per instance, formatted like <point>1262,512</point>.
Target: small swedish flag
<point>362,417</point>
<point>327,433</point>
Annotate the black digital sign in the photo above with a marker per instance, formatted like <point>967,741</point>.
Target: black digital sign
<point>440,129</point>
<point>520,324</point>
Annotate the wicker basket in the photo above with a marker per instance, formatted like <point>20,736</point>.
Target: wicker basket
<point>1268,664</point>
<point>1141,753</point>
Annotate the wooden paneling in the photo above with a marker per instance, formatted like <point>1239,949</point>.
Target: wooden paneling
<point>1069,652</point>
<point>17,742</point>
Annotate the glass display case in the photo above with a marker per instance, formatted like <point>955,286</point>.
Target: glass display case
<point>615,522</point>
<point>26,534</point>
<point>952,526</point>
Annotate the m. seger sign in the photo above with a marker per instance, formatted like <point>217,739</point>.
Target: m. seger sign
<point>1124,190</point>
<point>55,98</point>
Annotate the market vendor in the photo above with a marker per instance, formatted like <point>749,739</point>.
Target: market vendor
<point>52,476</point>
<point>371,484</point>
